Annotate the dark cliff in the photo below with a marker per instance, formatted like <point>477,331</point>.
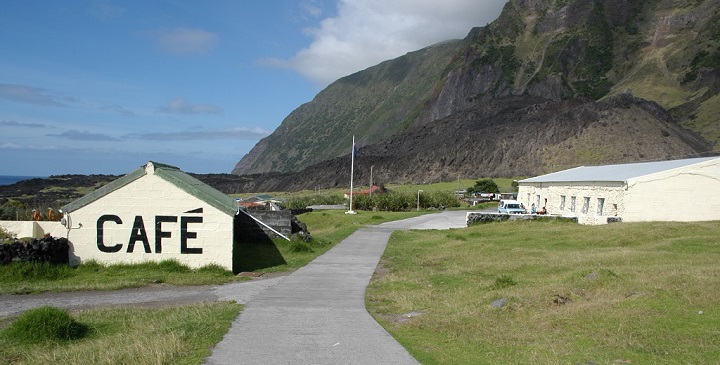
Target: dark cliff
<point>550,84</point>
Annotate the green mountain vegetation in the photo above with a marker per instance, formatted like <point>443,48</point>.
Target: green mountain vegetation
<point>646,75</point>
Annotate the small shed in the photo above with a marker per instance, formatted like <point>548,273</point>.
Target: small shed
<point>673,190</point>
<point>154,213</point>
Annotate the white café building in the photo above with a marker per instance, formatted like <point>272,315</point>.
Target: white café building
<point>154,213</point>
<point>674,190</point>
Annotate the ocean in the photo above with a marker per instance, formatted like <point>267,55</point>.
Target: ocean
<point>9,179</point>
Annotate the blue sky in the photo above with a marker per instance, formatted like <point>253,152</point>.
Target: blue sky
<point>102,86</point>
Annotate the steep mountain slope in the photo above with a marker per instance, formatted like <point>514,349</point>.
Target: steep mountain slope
<point>370,104</point>
<point>559,58</point>
<point>508,136</point>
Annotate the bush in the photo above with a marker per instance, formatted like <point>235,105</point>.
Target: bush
<point>317,199</point>
<point>402,202</point>
<point>5,234</point>
<point>484,186</point>
<point>45,324</point>
<point>14,210</point>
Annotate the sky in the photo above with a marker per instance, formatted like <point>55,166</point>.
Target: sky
<point>103,86</point>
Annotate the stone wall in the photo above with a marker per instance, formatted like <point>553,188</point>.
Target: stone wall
<point>279,220</point>
<point>46,249</point>
<point>479,217</point>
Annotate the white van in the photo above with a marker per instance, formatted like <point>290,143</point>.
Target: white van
<point>510,207</point>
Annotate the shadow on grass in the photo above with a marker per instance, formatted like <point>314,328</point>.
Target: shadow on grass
<point>253,249</point>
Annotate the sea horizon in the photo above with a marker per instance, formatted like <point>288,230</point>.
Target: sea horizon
<point>11,179</point>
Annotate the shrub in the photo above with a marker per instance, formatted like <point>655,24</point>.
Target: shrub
<point>301,202</point>
<point>14,210</point>
<point>5,234</point>
<point>402,202</point>
<point>45,324</point>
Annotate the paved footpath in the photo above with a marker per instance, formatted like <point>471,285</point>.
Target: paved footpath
<point>317,314</point>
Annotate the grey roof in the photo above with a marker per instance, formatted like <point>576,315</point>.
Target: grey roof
<point>171,174</point>
<point>615,173</point>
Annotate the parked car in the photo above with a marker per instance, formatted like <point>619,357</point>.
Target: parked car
<point>510,207</point>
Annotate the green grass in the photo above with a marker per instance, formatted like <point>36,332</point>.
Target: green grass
<point>645,293</point>
<point>22,278</point>
<point>172,335</point>
<point>45,324</point>
<point>335,225</point>
<point>327,228</point>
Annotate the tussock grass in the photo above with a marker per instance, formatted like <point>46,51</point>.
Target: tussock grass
<point>645,293</point>
<point>172,335</point>
<point>45,324</point>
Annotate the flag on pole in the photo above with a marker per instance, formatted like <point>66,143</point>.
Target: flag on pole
<point>352,170</point>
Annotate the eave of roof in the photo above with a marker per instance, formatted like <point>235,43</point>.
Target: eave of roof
<point>169,173</point>
<point>615,173</point>
<point>103,190</point>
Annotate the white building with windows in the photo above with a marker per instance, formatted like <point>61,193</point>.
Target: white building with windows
<point>674,190</point>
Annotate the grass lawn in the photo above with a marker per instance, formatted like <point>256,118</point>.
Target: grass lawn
<point>628,293</point>
<point>173,335</point>
<point>327,228</point>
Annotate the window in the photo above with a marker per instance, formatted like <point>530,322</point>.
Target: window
<point>537,204</point>
<point>562,202</point>
<point>601,204</point>
<point>572,204</point>
<point>586,204</point>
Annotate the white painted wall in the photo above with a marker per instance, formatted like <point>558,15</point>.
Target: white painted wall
<point>611,192</point>
<point>150,197</point>
<point>34,229</point>
<point>690,193</point>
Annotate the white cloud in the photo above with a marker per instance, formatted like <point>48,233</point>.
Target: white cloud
<point>185,41</point>
<point>17,146</point>
<point>32,95</point>
<point>210,134</point>
<point>84,136</point>
<point>14,123</point>
<point>180,106</point>
<point>367,32</point>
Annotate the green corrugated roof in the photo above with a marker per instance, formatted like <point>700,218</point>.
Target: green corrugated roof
<point>104,190</point>
<point>198,189</point>
<point>171,174</point>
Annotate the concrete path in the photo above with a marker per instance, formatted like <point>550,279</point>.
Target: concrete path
<point>317,314</point>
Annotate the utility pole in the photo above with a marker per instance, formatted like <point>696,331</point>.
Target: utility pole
<point>371,180</point>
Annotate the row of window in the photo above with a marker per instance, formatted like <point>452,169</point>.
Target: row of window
<point>585,204</point>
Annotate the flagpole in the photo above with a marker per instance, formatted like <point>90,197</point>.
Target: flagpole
<point>352,171</point>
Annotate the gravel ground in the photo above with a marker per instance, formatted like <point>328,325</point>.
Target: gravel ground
<point>152,296</point>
